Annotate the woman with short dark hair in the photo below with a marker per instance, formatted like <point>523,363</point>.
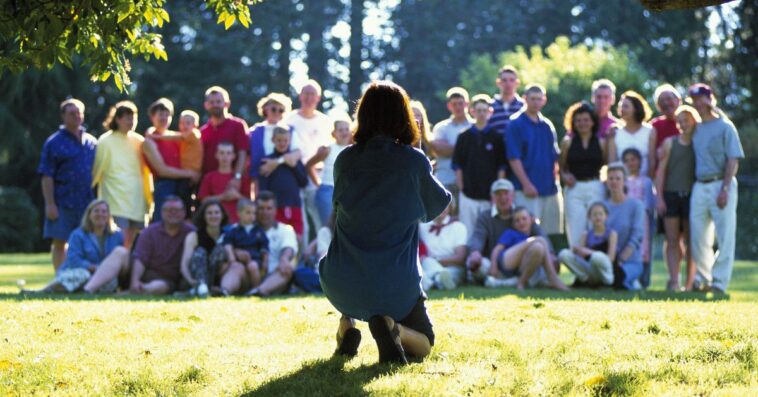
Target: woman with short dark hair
<point>383,188</point>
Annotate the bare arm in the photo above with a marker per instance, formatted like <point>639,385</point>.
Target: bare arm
<point>612,243</point>
<point>442,147</point>
<point>150,149</point>
<point>566,175</point>
<point>651,157</point>
<point>138,269</point>
<point>241,158</point>
<point>190,243</point>
<point>581,249</point>
<point>457,259</point>
<point>310,166</point>
<point>459,179</point>
<point>612,145</point>
<point>494,268</point>
<point>48,189</point>
<point>660,175</point>
<point>730,170</point>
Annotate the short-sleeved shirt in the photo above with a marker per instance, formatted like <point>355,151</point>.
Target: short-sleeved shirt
<point>280,236</point>
<point>534,143</point>
<point>664,128</point>
<point>443,244</point>
<point>502,112</point>
<point>604,125</point>
<point>511,237</point>
<point>232,129</point>
<point>122,175</point>
<point>250,238</point>
<point>447,130</point>
<point>215,182</point>
<point>714,142</point>
<point>161,252</point>
<point>479,154</point>
<point>311,133</point>
<point>69,161</point>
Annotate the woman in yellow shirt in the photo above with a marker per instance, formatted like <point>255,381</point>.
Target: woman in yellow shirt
<point>120,171</point>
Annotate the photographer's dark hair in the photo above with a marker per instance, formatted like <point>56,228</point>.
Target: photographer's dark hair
<point>384,109</point>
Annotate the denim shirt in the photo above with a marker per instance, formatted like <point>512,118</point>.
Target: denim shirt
<point>84,249</point>
<point>69,162</point>
<point>382,191</point>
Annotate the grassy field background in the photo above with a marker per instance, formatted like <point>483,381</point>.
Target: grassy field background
<point>489,342</point>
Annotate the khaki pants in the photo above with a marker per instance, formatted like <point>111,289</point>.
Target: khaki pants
<point>598,269</point>
<point>548,209</point>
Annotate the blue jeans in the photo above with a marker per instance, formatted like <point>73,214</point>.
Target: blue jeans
<point>627,275</point>
<point>324,195</point>
<point>164,187</point>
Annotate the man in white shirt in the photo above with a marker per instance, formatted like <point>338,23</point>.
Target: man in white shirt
<point>282,247</point>
<point>312,129</point>
<point>446,133</point>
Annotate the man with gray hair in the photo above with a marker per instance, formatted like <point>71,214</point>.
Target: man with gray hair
<point>603,97</point>
<point>713,204</point>
<point>311,129</point>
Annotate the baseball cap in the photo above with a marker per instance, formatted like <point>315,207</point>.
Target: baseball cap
<point>699,89</point>
<point>501,184</point>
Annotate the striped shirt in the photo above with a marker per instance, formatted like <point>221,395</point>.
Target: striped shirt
<point>501,113</point>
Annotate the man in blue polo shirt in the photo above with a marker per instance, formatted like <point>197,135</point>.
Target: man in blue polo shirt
<point>532,152</point>
<point>66,169</point>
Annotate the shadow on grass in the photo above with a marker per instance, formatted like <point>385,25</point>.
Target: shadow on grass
<point>327,377</point>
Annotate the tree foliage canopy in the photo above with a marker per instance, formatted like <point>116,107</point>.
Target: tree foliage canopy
<point>106,34</point>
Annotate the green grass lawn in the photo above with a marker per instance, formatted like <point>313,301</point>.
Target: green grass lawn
<point>488,343</point>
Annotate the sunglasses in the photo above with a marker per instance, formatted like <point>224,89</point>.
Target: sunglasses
<point>277,110</point>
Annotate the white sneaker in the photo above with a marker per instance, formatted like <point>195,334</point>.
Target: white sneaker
<point>492,282</point>
<point>202,290</point>
<point>444,280</point>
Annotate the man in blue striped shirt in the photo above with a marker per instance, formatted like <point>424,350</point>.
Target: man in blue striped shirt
<point>508,102</point>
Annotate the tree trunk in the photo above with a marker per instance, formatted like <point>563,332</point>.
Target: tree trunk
<point>356,48</point>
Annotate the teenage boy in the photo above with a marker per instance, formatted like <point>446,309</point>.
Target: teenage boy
<point>507,103</point>
<point>532,151</point>
<point>478,160</point>
<point>446,133</point>
<point>216,186</point>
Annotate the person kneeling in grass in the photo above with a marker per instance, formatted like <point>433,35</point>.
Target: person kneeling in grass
<point>383,187</point>
<point>522,258</point>
<point>591,260</point>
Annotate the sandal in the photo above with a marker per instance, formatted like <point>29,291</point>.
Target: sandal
<point>347,344</point>
<point>387,340</point>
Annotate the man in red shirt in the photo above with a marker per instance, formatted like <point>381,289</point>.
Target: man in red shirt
<point>667,100</point>
<point>223,127</point>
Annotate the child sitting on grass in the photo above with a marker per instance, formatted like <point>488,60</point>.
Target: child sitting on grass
<point>591,260</point>
<point>246,243</point>
<point>511,265</point>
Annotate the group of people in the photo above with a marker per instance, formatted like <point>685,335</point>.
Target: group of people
<point>261,198</point>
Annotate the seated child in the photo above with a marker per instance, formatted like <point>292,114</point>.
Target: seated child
<point>592,260</point>
<point>246,243</point>
<point>511,266</point>
<point>285,182</point>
